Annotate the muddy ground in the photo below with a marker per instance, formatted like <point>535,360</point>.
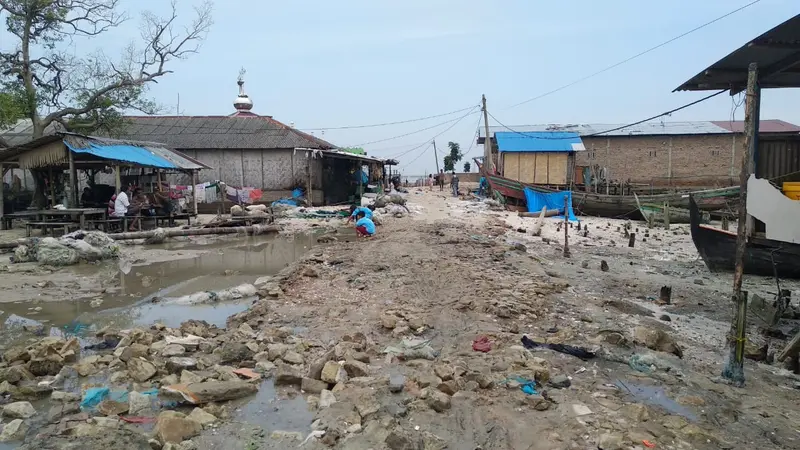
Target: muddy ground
<point>450,273</point>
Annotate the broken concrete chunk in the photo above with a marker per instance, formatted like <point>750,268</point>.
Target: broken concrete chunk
<point>212,391</point>
<point>333,373</point>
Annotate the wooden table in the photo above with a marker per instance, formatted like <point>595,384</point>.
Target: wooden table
<point>21,215</point>
<point>55,218</point>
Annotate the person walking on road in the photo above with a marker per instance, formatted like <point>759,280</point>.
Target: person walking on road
<point>454,184</point>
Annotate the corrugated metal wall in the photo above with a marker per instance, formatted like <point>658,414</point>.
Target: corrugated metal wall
<point>779,158</point>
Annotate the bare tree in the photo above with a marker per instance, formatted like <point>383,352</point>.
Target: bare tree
<point>90,91</point>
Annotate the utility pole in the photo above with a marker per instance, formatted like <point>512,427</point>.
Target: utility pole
<point>487,145</point>
<point>734,367</point>
<point>436,155</point>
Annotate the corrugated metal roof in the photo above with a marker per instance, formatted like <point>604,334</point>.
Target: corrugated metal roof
<point>148,154</point>
<point>219,132</point>
<point>765,126</point>
<point>21,132</point>
<point>775,52</point>
<point>539,141</point>
<point>650,128</point>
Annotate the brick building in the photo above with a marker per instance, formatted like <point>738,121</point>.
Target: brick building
<point>698,154</point>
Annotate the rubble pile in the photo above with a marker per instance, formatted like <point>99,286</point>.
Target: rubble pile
<point>72,248</point>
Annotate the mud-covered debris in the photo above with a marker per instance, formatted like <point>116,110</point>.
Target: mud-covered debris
<point>175,427</point>
<point>211,391</point>
<point>656,339</point>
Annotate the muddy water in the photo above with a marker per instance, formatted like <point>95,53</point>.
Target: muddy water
<point>131,296</point>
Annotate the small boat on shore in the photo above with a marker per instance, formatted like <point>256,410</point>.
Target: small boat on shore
<point>656,213</point>
<point>613,206</point>
<point>763,256</point>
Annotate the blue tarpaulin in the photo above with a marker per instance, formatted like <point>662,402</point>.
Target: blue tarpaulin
<point>538,200</point>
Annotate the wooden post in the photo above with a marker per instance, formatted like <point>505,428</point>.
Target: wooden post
<point>117,179</point>
<point>725,224</point>
<point>734,367</point>
<point>537,228</point>
<point>310,193</point>
<point>52,187</point>
<point>666,215</point>
<point>194,190</point>
<point>487,148</point>
<point>2,194</point>
<point>566,228</point>
<point>631,240</point>
<point>73,181</point>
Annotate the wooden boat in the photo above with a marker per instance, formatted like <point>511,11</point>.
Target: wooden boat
<point>655,213</point>
<point>763,256</point>
<point>612,206</point>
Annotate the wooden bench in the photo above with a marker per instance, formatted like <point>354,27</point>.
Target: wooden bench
<point>107,224</point>
<point>44,226</point>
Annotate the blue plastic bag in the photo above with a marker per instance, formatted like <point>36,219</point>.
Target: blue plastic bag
<point>93,397</point>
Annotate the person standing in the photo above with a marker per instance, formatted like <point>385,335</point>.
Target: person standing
<point>454,183</point>
<point>441,180</point>
<point>121,203</point>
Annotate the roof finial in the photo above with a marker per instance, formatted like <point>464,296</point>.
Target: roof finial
<point>242,102</point>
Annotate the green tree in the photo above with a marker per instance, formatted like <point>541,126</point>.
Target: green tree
<point>90,92</point>
<point>12,108</point>
<point>453,157</point>
<point>467,167</point>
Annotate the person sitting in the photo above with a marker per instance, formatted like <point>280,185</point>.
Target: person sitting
<point>364,227</point>
<point>355,210</point>
<point>111,205</point>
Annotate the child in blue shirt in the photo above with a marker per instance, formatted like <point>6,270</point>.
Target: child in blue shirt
<point>365,227</point>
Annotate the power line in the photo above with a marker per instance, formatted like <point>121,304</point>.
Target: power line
<point>388,123</point>
<point>456,120</point>
<point>613,129</point>
<point>433,138</point>
<point>475,137</point>
<point>632,57</point>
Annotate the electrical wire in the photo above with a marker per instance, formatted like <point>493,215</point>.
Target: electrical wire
<point>430,141</point>
<point>387,123</point>
<point>456,120</point>
<point>632,57</point>
<point>667,113</point>
<point>475,137</point>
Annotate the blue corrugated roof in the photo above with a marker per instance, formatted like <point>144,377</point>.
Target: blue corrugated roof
<point>539,141</point>
<point>125,153</point>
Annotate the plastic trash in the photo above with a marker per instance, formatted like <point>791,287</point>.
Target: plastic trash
<point>413,349</point>
<point>525,385</point>
<point>93,397</point>
<point>482,344</point>
<point>578,352</point>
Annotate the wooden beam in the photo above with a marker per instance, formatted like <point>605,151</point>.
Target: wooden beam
<point>2,193</point>
<point>73,181</point>
<point>194,191</point>
<point>769,43</point>
<point>779,67</point>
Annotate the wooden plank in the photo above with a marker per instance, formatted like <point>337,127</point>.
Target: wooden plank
<point>791,349</point>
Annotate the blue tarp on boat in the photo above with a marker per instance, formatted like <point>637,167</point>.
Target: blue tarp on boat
<point>538,200</point>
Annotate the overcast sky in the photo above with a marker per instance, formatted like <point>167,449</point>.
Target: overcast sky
<point>353,62</point>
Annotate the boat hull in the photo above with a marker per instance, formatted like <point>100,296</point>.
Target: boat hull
<point>763,256</point>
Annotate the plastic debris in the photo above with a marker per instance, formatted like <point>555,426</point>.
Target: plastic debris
<point>648,444</point>
<point>94,396</point>
<point>578,352</point>
<point>234,293</point>
<point>250,374</point>
<point>525,385</point>
<point>413,349</point>
<point>482,344</point>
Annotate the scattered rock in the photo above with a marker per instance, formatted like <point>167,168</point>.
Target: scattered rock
<point>280,435</point>
<point>656,339</point>
<point>537,402</point>
<point>665,318</point>
<point>234,352</point>
<point>212,391</point>
<point>175,427</point>
<point>333,373</point>
<point>288,376</point>
<point>604,266</point>
<point>65,397</point>
<point>355,368</point>
<point>141,370</point>
<point>438,401</point>
<point>172,350</point>
<point>45,367</point>
<point>19,410</point>
<point>560,382</point>
<point>444,371</point>
<point>292,357</point>
<point>178,364</point>
<point>189,377</point>
<point>202,417</point>
<point>326,399</point>
<point>396,383</point>
<point>138,403</point>
<point>403,440</point>
<point>112,408</point>
<point>611,441</point>
<point>313,386</point>
<point>14,431</point>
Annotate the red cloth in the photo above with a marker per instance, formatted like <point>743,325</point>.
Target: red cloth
<point>482,344</point>
<point>362,231</point>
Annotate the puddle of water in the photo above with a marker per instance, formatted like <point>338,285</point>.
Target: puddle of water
<point>223,264</point>
<point>274,410</point>
<point>655,396</point>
